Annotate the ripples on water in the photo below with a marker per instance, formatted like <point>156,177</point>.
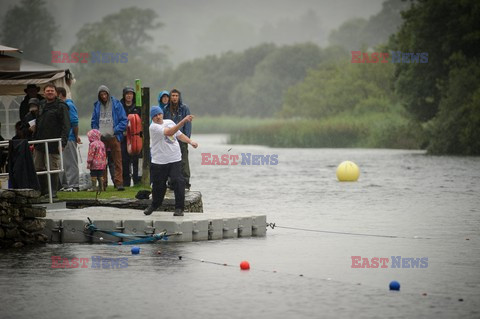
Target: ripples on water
<point>294,274</point>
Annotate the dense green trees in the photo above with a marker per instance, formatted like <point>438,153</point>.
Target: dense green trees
<point>32,28</point>
<point>344,105</point>
<point>350,34</point>
<point>318,97</point>
<point>262,94</point>
<point>438,92</point>
<point>342,87</point>
<point>207,83</point>
<point>456,127</point>
<point>124,32</point>
<point>251,83</point>
<point>434,105</point>
<point>358,33</point>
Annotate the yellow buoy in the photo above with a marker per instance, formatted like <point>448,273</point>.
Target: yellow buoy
<point>348,171</point>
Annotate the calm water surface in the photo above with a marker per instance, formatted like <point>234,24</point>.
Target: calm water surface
<point>431,204</point>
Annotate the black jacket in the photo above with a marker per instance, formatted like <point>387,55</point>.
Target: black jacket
<point>53,121</point>
<point>132,109</point>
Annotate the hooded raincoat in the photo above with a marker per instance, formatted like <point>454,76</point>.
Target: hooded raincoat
<point>118,114</point>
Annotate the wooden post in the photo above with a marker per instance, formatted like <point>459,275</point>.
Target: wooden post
<point>146,137</point>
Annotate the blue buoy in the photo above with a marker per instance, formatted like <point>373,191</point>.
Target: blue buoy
<point>135,250</point>
<point>394,285</point>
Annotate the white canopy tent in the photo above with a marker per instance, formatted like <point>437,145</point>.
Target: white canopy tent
<point>15,75</point>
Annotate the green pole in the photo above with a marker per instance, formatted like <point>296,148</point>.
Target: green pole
<point>138,93</point>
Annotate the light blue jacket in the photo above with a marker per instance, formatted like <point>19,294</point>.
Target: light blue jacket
<point>72,111</point>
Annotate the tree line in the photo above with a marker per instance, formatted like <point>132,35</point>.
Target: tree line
<point>434,105</point>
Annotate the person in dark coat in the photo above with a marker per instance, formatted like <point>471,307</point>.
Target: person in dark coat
<point>53,122</point>
<point>21,170</point>
<point>129,162</point>
<point>20,132</point>
<point>32,92</point>
<point>176,111</point>
<point>30,119</point>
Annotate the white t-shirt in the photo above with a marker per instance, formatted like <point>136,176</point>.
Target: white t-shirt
<point>164,149</point>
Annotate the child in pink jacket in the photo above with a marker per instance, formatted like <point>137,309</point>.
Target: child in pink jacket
<point>97,159</point>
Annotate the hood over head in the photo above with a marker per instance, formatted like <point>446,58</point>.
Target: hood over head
<point>165,92</point>
<point>128,89</point>
<point>160,97</point>
<point>94,135</point>
<point>180,102</point>
<point>103,88</point>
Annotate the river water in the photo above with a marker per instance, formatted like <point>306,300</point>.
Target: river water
<point>428,205</point>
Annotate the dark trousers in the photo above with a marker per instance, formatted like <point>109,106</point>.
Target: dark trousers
<point>185,164</point>
<point>110,167</point>
<point>159,174</point>
<point>127,161</point>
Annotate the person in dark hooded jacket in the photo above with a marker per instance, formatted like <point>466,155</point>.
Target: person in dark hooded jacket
<point>129,162</point>
<point>110,119</point>
<point>177,111</point>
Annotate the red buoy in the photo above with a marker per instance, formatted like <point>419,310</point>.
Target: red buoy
<point>244,265</point>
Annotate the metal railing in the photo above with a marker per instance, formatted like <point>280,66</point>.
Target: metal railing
<point>48,172</point>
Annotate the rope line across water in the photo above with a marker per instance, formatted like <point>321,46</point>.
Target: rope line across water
<point>448,296</point>
<point>273,226</point>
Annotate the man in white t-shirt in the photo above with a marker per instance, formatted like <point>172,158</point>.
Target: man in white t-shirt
<point>167,159</point>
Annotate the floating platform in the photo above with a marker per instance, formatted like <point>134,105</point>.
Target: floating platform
<point>68,225</point>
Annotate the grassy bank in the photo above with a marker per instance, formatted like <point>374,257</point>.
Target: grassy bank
<point>373,130</point>
<point>369,130</point>
<point>110,193</point>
